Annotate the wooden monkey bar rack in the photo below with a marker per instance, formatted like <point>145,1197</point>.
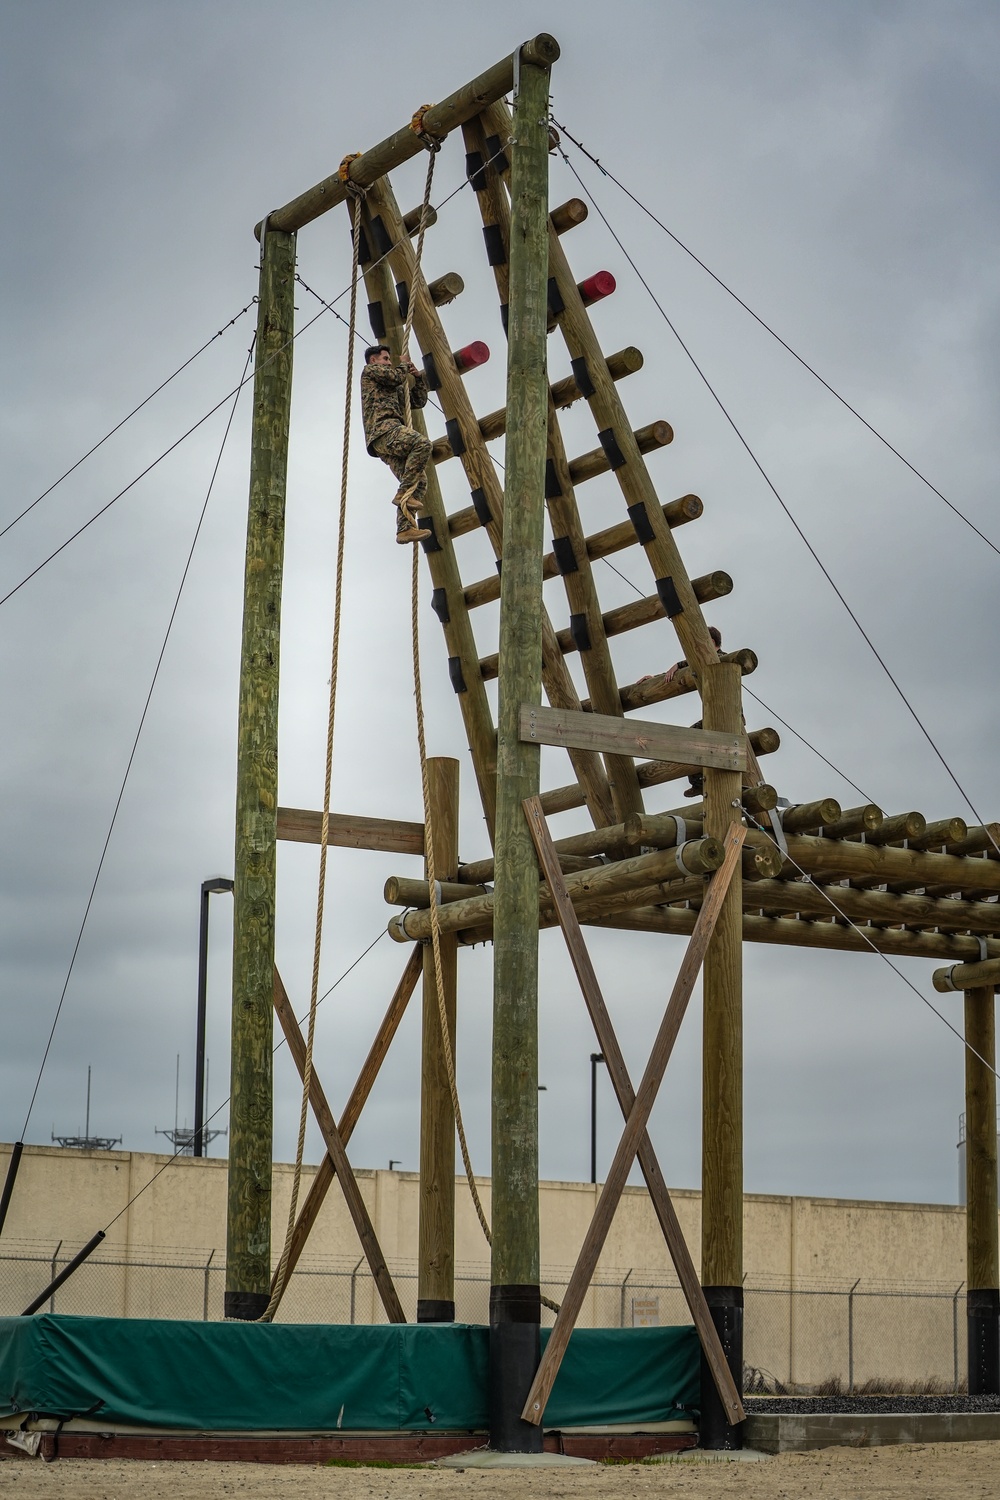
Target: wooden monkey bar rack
<point>736,864</point>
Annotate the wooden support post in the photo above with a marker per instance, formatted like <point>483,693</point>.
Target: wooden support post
<point>983,1273</point>
<point>436,1233</point>
<point>248,1227</point>
<point>722,1078</point>
<point>515,1309</point>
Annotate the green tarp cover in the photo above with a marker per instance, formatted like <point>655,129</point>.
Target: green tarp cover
<point>318,1377</point>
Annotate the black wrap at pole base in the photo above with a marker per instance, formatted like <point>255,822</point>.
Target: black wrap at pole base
<point>8,1187</point>
<point>725,1303</point>
<point>435,1310</point>
<point>982,1307</point>
<point>247,1306</point>
<point>64,1274</point>
<point>515,1352</point>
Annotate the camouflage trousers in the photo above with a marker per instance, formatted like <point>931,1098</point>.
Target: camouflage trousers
<point>407,452</point>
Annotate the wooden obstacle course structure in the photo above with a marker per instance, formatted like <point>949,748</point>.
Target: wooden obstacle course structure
<point>814,875</point>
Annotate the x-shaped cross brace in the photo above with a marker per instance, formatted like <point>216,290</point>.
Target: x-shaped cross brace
<point>636,1109</point>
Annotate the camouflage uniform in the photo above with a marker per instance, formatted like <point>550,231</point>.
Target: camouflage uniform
<point>406,451</point>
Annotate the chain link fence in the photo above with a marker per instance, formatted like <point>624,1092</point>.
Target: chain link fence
<point>845,1339</point>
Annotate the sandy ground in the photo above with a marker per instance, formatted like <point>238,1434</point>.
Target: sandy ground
<point>938,1471</point>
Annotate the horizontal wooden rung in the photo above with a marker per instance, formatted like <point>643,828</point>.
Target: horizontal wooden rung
<point>629,617</point>
<point>597,461</point>
<point>602,544</point>
<point>564,393</point>
<point>568,215</point>
<point>656,688</point>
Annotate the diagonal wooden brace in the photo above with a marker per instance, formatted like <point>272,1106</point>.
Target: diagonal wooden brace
<point>634,1139</point>
<point>335,1143</point>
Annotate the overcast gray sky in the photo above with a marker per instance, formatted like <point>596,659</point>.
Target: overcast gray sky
<point>836,164</point>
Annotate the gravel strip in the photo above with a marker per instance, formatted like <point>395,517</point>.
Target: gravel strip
<point>866,1405</point>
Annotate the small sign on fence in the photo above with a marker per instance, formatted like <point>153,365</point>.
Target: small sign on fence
<point>645,1312</point>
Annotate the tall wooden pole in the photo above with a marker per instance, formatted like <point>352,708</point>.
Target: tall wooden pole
<point>514,1294</point>
<point>983,1273</point>
<point>436,1233</point>
<point>248,1233</point>
<point>722,1079</point>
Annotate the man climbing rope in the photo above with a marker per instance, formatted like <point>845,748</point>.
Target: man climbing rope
<point>406,451</point>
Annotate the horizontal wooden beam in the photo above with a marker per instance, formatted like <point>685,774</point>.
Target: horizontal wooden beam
<point>587,888</point>
<point>918,913</point>
<point>841,858</point>
<point>602,732</point>
<point>401,891</point>
<point>788,932</point>
<point>968,976</point>
<point>439,120</point>
<point>387,835</point>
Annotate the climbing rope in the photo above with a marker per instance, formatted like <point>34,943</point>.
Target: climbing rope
<point>446,1047</point>
<point>357,194</point>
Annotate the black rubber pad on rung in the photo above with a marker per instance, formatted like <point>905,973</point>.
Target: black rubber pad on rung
<point>481,506</point>
<point>669,597</point>
<point>455,673</point>
<point>581,375</point>
<point>403,298</point>
<point>376,318</point>
<point>495,154</point>
<point>496,250</point>
<point>641,524</point>
<point>578,630</point>
<point>430,543</point>
<point>562,551</point>
<point>553,489</point>
<point>475,170</point>
<point>556,303</point>
<point>612,452</point>
<point>439,604</point>
<point>430,371</point>
<point>364,249</point>
<point>455,437</point>
<point>381,236</point>
<point>504,314</point>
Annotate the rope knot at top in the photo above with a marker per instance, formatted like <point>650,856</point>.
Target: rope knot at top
<point>427,140</point>
<point>354,189</point>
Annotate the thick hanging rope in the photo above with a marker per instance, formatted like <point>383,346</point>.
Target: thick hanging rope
<point>446,1047</point>
<point>282,1271</point>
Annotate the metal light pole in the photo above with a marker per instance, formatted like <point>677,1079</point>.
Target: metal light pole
<point>595,1058</point>
<point>208,889</point>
